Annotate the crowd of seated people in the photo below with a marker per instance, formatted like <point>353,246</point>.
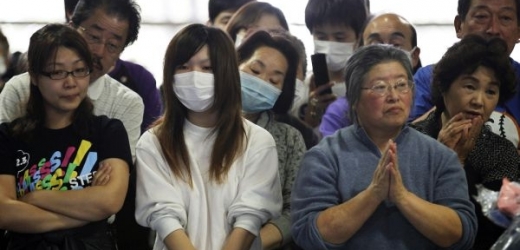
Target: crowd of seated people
<point>242,147</point>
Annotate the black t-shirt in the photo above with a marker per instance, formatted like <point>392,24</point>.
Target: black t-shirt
<point>62,159</point>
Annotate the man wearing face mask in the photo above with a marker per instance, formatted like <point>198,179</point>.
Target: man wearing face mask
<point>334,25</point>
<point>386,28</point>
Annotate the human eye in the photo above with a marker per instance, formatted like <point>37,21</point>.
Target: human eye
<point>379,88</point>
<point>469,86</point>
<point>491,92</point>
<point>57,74</point>
<point>340,39</point>
<point>184,66</point>
<point>112,47</point>
<point>93,38</point>
<point>506,18</point>
<point>481,15</point>
<point>81,72</point>
<point>207,68</point>
<point>373,41</point>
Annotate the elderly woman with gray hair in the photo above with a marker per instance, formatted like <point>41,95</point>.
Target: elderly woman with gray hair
<point>379,184</point>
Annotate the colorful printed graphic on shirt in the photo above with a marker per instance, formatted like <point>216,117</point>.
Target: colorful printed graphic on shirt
<point>67,170</point>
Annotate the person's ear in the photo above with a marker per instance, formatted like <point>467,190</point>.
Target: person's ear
<point>209,23</point>
<point>415,55</point>
<point>457,23</point>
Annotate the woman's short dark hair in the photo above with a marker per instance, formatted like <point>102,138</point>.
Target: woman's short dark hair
<point>362,61</point>
<point>249,14</point>
<point>350,13</point>
<point>263,39</point>
<point>464,57</point>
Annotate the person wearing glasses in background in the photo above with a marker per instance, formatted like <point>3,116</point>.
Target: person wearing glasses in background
<point>108,26</point>
<point>385,28</point>
<point>379,184</point>
<point>64,170</point>
<point>130,74</point>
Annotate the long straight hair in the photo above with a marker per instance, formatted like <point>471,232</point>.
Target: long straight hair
<point>231,139</point>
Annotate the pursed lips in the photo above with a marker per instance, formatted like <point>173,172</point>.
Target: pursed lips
<point>393,109</point>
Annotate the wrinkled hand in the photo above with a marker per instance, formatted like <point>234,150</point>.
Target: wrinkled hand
<point>381,178</point>
<point>460,134</point>
<point>102,175</point>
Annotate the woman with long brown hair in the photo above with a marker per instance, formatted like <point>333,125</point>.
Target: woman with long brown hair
<point>206,177</point>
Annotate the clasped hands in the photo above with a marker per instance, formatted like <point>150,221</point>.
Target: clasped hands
<point>460,134</point>
<point>387,183</point>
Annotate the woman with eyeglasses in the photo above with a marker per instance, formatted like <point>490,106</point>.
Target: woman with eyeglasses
<point>471,79</point>
<point>64,171</point>
<point>380,184</point>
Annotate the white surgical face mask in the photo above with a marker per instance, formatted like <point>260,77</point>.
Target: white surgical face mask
<point>195,90</point>
<point>3,66</point>
<point>337,53</point>
<point>409,55</point>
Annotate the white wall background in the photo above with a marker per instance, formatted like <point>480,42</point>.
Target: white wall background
<point>162,18</point>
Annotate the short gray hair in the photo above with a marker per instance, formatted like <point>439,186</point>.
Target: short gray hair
<point>362,61</point>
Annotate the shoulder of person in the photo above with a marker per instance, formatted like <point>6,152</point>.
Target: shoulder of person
<point>257,135</point>
<point>118,89</point>
<point>103,122</point>
<point>504,126</point>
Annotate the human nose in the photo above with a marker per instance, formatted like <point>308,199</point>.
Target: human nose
<point>391,92</point>
<point>478,99</point>
<point>493,28</point>
<point>98,49</point>
<point>70,80</point>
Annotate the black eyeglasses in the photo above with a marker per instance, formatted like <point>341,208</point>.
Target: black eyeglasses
<point>62,74</point>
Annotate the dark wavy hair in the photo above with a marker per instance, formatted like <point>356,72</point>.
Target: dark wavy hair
<point>261,38</point>
<point>464,57</point>
<point>231,139</point>
<point>43,47</point>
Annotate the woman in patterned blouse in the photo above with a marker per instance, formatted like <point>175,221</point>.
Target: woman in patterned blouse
<point>471,79</point>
